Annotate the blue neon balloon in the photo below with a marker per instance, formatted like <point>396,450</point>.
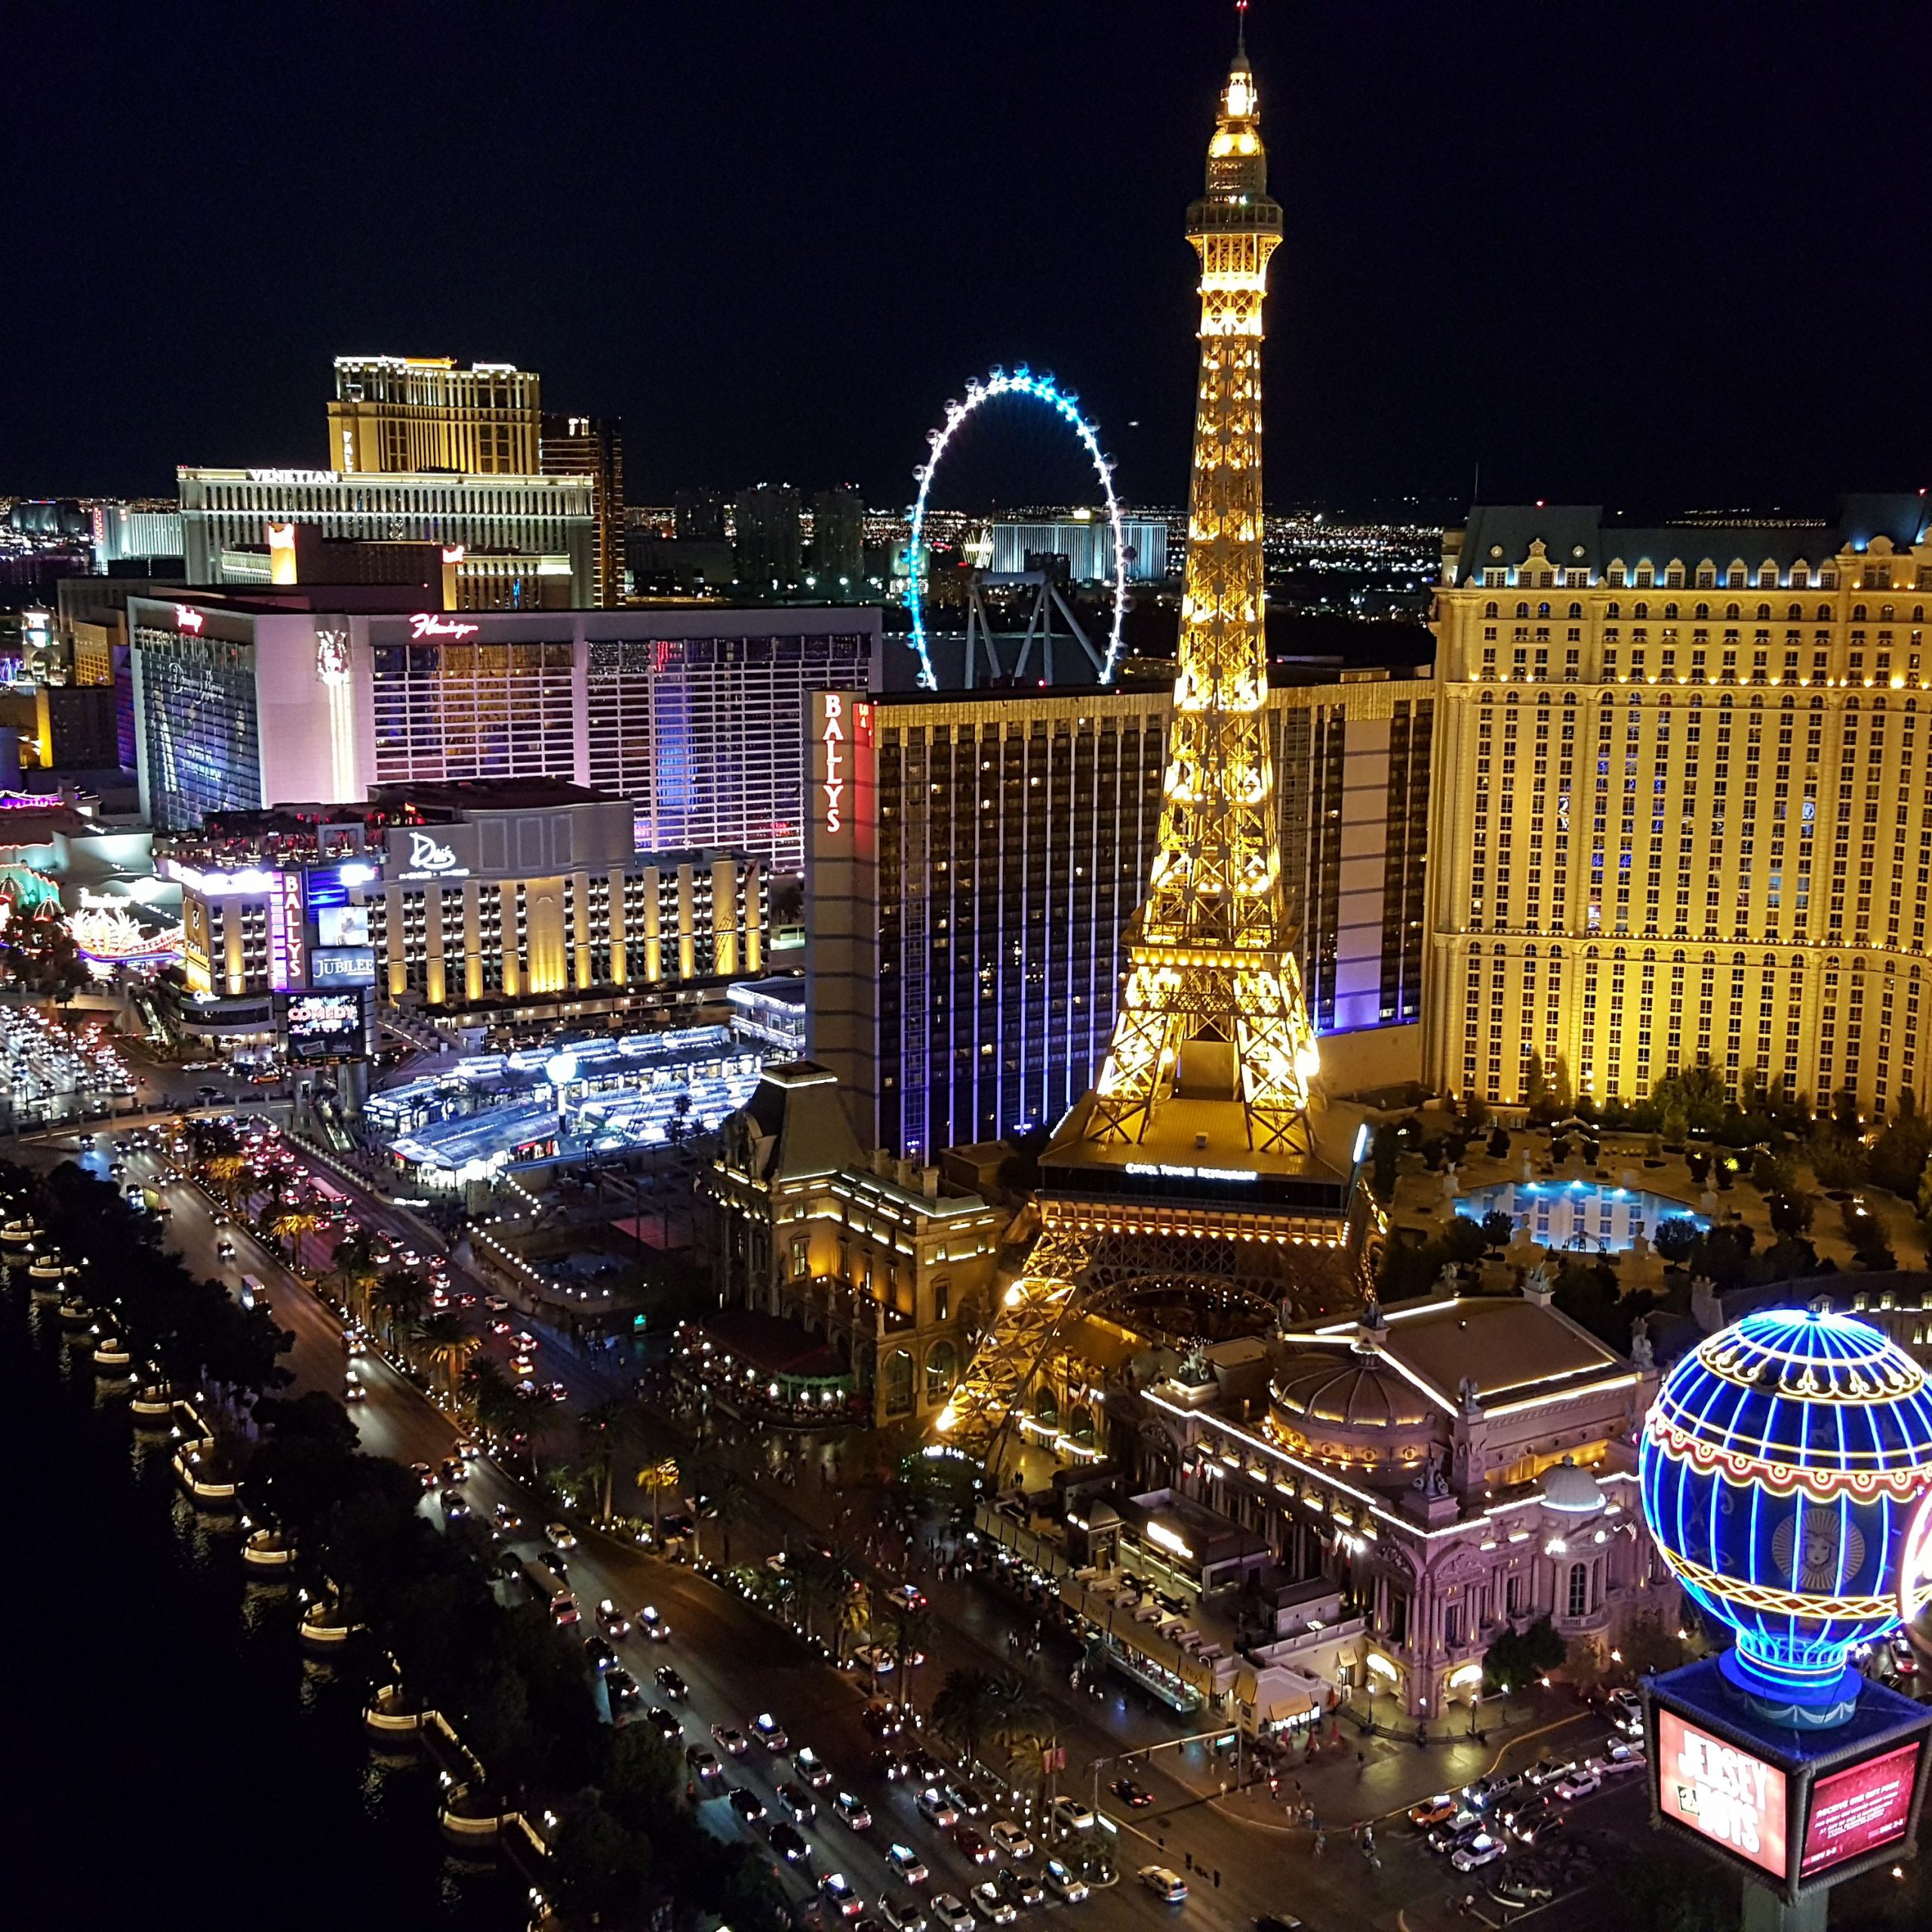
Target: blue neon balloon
<point>1782,1465</point>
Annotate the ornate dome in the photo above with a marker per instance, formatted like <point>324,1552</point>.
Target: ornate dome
<point>1354,1391</point>
<point>1573,1490</point>
<point>1783,1464</point>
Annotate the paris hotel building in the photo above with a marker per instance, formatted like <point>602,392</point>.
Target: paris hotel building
<point>1682,804</point>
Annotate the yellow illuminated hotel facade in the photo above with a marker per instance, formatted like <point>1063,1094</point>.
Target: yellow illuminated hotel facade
<point>1682,804</point>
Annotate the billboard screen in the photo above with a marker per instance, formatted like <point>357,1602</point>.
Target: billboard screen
<point>1721,1793</point>
<point>330,966</point>
<point>343,925</point>
<point>1859,1810</point>
<point>325,1026</point>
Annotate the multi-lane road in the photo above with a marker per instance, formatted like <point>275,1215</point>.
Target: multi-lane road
<point>738,1663</point>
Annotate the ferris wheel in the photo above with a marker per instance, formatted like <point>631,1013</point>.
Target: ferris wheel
<point>1043,389</point>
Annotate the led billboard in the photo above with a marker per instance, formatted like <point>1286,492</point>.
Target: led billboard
<point>333,966</point>
<point>324,1027</point>
<point>1721,1793</point>
<point>343,925</point>
<point>1859,1810</point>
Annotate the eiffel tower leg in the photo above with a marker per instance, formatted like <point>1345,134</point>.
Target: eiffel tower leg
<point>1145,1030</point>
<point>1275,1045</point>
<point>1030,1314</point>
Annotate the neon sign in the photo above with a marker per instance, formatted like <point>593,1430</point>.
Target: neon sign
<point>429,623</point>
<point>1721,1793</point>
<point>833,737</point>
<point>187,618</point>
<point>1166,1171</point>
<point>431,857</point>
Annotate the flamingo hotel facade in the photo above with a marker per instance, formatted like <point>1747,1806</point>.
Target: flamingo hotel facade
<point>1682,805</point>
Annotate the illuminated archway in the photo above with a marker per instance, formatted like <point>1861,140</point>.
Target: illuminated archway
<point>1041,389</point>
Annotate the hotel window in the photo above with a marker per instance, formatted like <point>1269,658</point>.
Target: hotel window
<point>1580,1590</point>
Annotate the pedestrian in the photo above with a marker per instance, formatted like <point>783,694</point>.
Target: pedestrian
<point>1362,1763</point>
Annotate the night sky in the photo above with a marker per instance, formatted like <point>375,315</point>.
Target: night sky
<point>1652,256</point>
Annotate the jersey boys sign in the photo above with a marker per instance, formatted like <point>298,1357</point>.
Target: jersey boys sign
<point>1721,1792</point>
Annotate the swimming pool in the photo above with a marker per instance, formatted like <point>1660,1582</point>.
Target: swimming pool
<point>1578,1214</point>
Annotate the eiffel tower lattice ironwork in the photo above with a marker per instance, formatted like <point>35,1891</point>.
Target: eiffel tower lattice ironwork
<point>1208,1075</point>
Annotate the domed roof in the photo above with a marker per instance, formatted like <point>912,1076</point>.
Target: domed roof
<point>1354,1391</point>
<point>1820,1398</point>
<point>1573,1490</point>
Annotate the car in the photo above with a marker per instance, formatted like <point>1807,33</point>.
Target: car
<point>925,1767</point>
<point>798,1801</point>
<point>621,1688</point>
<point>650,1621</point>
<point>1453,1831</point>
<point>885,1762</point>
<point>853,1811</point>
<point>469,1448</point>
<point>1433,1810</point>
<point>746,1803</point>
<point>730,1740</point>
<point>561,1535</point>
<point>352,1390</point>
<point>988,1903</point>
<point>612,1621</point>
<point>874,1658</point>
<point>1072,1816</point>
<point>952,1916</point>
<point>1138,1797</point>
<point>903,1914</point>
<point>937,1809</point>
<point>423,1474</point>
<point>811,1767</point>
<point>1536,1824</point>
<point>786,1841</point>
<point>1066,1883</point>
<point>453,1470</point>
<point>599,1654</point>
<point>836,1890</point>
<point>1485,1792</point>
<point>1618,1759</point>
<point>1164,1882</point>
<point>563,1610</point>
<point>554,1564</point>
<point>671,1683</point>
<point>1578,1784</point>
<point>522,1365</point>
<point>907,1596</point>
<point>455,1504</point>
<point>883,1717</point>
<point>1483,1849</point>
<point>669,1726</point>
<point>769,1731</point>
<point>907,1864</point>
<point>1010,1839</point>
<point>1021,1887</point>
<point>968,1802</point>
<point>704,1763</point>
<point>224,1249</point>
<point>972,1845</point>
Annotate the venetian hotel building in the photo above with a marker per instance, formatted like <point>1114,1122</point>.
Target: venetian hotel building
<point>1682,811</point>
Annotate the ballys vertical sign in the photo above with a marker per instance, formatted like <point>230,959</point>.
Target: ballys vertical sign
<point>841,730</point>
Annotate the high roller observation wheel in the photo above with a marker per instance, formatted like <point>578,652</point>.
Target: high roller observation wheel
<point>1065,404</point>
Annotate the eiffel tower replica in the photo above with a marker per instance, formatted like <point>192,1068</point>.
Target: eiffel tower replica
<point>1185,1198</point>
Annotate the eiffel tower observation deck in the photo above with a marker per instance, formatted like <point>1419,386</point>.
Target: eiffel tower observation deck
<point>1193,1194</point>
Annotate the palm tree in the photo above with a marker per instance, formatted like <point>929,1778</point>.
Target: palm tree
<point>290,1224</point>
<point>657,1478</point>
<point>225,1170</point>
<point>722,1494</point>
<point>911,1633</point>
<point>353,1265</point>
<point>825,1580</point>
<point>608,1424</point>
<point>967,1709</point>
<point>448,1345</point>
<point>493,1398</point>
<point>402,1295</point>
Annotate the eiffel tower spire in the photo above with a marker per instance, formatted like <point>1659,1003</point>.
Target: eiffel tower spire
<point>1212,1008</point>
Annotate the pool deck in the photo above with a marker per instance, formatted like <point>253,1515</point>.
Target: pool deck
<point>1623,1160</point>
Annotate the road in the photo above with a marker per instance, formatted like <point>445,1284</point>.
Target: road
<point>737,1663</point>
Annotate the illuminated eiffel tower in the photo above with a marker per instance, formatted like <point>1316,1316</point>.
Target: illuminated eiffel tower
<point>1183,1197</point>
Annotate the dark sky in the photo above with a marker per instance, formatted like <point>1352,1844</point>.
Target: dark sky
<point>1664,255</point>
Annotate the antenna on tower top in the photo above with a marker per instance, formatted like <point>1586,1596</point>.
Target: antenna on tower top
<point>1240,29</point>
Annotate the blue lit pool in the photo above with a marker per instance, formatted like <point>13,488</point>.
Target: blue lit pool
<point>1577,1214</point>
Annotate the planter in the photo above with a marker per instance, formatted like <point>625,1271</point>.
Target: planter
<point>322,1627</point>
<point>471,1818</point>
<point>73,1308</point>
<point>200,1479</point>
<point>390,1716</point>
<point>111,1352</point>
<point>17,1234</point>
<point>268,1549</point>
<point>155,1399</point>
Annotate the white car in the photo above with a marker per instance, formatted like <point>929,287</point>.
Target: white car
<point>1064,1882</point>
<point>853,1810</point>
<point>1578,1784</point>
<point>561,1535</point>
<point>768,1731</point>
<point>951,1914</point>
<point>907,1864</point>
<point>937,1809</point>
<point>1618,1759</point>
<point>992,1906</point>
<point>1010,1839</point>
<point>1481,1850</point>
<point>1073,1816</point>
<point>1164,1882</point>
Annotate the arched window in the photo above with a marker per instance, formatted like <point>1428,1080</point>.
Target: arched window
<point>1701,611</point>
<point>1764,611</point>
<point>1670,609</point>
<point>1613,609</point>
<point>942,1367</point>
<point>1522,610</point>
<point>1579,1595</point>
<point>1576,610</point>
<point>897,1376</point>
<point>1641,610</point>
<point>1543,610</point>
<point>1824,613</point>
<point>1858,613</point>
<point>1489,610</point>
<point>1795,615</point>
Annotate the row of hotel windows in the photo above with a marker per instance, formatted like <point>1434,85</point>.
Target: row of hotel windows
<point>1874,575</point>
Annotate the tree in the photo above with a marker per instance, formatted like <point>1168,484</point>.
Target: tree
<point>1499,1143</point>
<point>354,1266</point>
<point>1791,1214</point>
<point>402,1295</point>
<point>1897,1162</point>
<point>656,1478</point>
<point>493,1398</point>
<point>290,1224</point>
<point>1772,1174</point>
<point>824,1578</point>
<point>1675,1236</point>
<point>447,1346</point>
<point>1699,1091</point>
<point>1517,1658</point>
<point>1384,1151</point>
<point>1836,1161</point>
<point>607,1425</point>
<point>1561,1090</point>
<point>967,1711</point>
<point>1535,1084</point>
<point>601,1865</point>
<point>719,1492</point>
<point>1498,1228</point>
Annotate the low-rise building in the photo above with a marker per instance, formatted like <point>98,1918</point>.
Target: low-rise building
<point>891,1266</point>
